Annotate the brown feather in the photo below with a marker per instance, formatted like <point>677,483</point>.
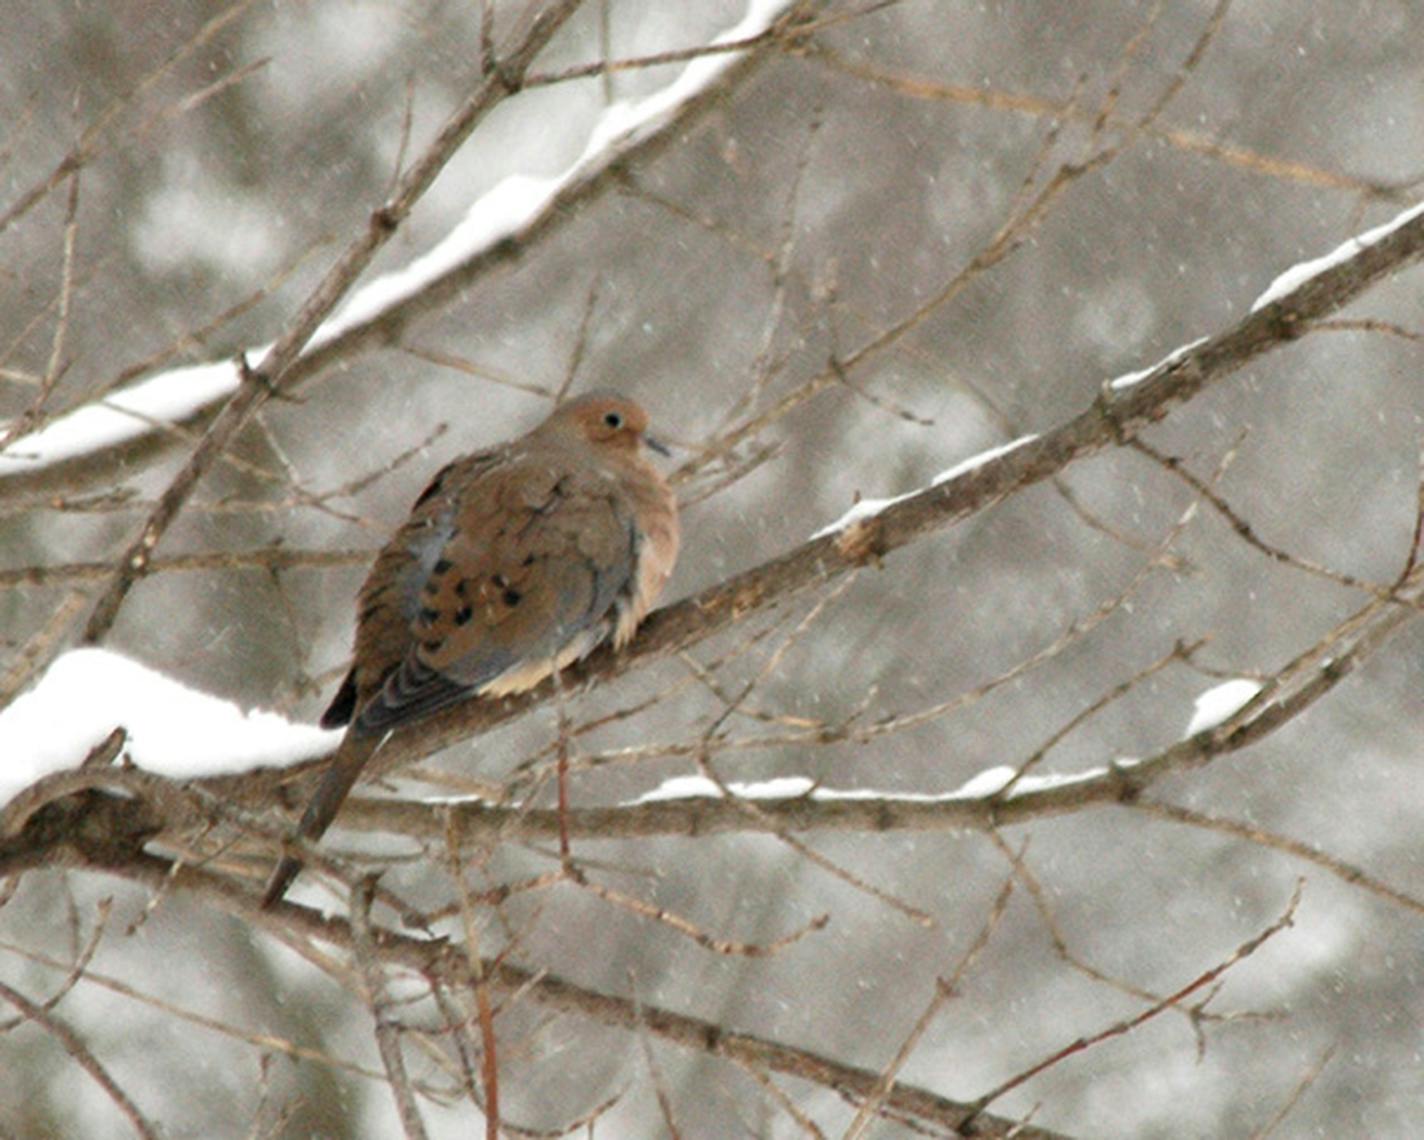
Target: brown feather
<point>513,564</point>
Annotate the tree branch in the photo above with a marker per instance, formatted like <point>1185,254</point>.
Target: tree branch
<point>271,375</point>
<point>1117,414</point>
<point>445,963</point>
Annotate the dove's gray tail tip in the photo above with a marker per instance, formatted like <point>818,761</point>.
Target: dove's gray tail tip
<point>287,870</point>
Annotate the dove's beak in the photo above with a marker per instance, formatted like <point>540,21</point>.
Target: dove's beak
<point>657,445</point>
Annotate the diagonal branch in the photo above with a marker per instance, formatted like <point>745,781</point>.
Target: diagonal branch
<point>271,375</point>
<point>377,325</point>
<point>75,1047</point>
<point>1121,410</point>
<point>1118,413</point>
<point>444,963</point>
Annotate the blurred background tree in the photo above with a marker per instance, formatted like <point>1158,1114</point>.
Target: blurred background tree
<point>900,234</point>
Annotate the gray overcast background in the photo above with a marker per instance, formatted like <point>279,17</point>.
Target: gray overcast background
<point>1317,110</point>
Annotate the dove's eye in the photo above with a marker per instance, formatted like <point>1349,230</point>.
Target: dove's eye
<point>613,420</point>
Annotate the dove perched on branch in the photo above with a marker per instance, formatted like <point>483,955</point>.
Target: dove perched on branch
<point>515,562</point>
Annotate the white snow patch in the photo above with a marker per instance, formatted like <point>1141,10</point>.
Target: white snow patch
<point>781,788</point>
<point>1131,378</point>
<point>499,213</point>
<point>502,212</point>
<point>865,509</point>
<point>1217,705</point>
<point>964,466</point>
<point>516,201</point>
<point>986,783</point>
<point>172,730</point>
<point>1297,275</point>
<point>989,782</point>
<point>868,508</point>
<point>169,397</point>
<point>681,787</point>
<point>700,787</point>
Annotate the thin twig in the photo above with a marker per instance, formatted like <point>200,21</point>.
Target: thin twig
<point>261,1041</point>
<point>1244,529</point>
<point>1303,1086</point>
<point>75,1047</point>
<point>1128,1025</point>
<point>42,646</point>
<point>791,28</point>
<point>84,151</point>
<point>675,922</point>
<point>1252,833</point>
<point>1039,107</point>
<point>655,1070</point>
<point>388,1031</point>
<point>263,381</point>
<point>945,990</point>
<point>264,558</point>
<point>479,983</point>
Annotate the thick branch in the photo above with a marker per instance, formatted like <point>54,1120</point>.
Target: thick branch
<point>1112,418</point>
<point>446,964</point>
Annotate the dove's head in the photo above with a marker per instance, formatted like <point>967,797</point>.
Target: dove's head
<point>605,420</point>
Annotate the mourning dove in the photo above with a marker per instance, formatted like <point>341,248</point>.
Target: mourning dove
<point>514,563</point>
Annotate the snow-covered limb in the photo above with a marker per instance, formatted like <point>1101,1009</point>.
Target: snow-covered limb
<point>170,398</point>
<point>868,508</point>
<point>1285,283</point>
<point>1213,707</point>
<point>511,205</point>
<point>982,785</point>
<point>1127,380</point>
<point>504,211</point>
<point>864,509</point>
<point>1297,275</point>
<point>183,733</point>
<point>173,730</point>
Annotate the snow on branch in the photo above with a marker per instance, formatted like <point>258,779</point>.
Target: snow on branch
<point>869,508</point>
<point>1115,414</point>
<point>168,398</point>
<point>507,211</point>
<point>172,730</point>
<point>1297,275</point>
<point>1182,359</point>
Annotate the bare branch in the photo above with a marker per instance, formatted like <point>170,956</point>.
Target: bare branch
<point>441,962</point>
<point>89,143</point>
<point>75,1047</point>
<point>270,377</point>
<point>388,1032</point>
<point>1242,952</point>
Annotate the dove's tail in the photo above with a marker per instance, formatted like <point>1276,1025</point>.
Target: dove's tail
<point>331,793</point>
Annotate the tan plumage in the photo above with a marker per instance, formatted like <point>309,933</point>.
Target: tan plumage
<point>514,563</point>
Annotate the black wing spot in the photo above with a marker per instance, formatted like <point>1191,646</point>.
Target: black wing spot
<point>464,614</point>
<point>342,705</point>
<point>434,645</point>
<point>434,488</point>
<point>512,597</point>
<point>428,616</point>
<point>442,566</point>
